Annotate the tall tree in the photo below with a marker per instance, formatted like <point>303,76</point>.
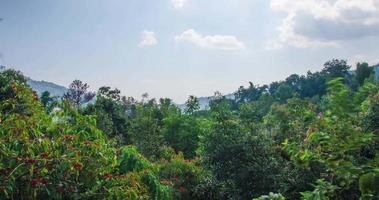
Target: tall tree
<point>336,68</point>
<point>236,157</point>
<point>192,104</point>
<point>78,93</point>
<point>252,93</point>
<point>111,114</point>
<point>48,101</point>
<point>107,92</point>
<point>363,71</point>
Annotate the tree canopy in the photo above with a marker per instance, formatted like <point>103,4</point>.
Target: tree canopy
<point>308,137</point>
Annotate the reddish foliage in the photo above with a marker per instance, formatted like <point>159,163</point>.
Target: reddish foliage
<point>38,182</point>
<point>87,142</point>
<point>182,189</point>
<point>108,176</point>
<point>78,166</point>
<point>60,188</point>
<point>72,189</point>
<point>69,137</point>
<point>44,155</point>
<point>31,161</point>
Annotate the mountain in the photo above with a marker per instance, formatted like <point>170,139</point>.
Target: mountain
<point>42,86</point>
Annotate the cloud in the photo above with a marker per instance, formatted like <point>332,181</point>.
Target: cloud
<point>221,42</point>
<point>148,39</point>
<point>179,3</point>
<point>324,23</point>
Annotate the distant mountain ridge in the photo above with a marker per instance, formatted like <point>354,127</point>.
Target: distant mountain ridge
<point>42,86</point>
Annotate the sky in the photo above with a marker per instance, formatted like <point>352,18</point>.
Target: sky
<point>177,48</point>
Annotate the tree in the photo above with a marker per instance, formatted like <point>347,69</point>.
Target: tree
<point>192,105</point>
<point>145,96</point>
<point>295,81</point>
<point>334,142</point>
<point>284,92</point>
<point>107,92</point>
<point>48,101</point>
<point>10,75</point>
<point>9,81</point>
<point>235,157</point>
<point>182,133</point>
<point>78,93</point>
<point>314,84</point>
<point>46,98</point>
<point>252,93</point>
<point>363,71</point>
<point>185,175</point>
<point>64,155</point>
<point>145,129</point>
<point>111,115</point>
<point>336,68</point>
<point>306,137</point>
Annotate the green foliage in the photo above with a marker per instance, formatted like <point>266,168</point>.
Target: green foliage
<point>363,72</point>
<point>181,132</point>
<point>371,114</point>
<point>340,100</point>
<point>311,137</point>
<point>145,130</point>
<point>63,156</point>
<point>284,92</point>
<point>321,192</point>
<point>110,113</point>
<point>192,105</point>
<point>131,161</point>
<point>290,121</point>
<point>236,158</point>
<point>271,196</point>
<point>157,190</point>
<point>48,101</point>
<point>78,94</point>
<point>336,68</point>
<point>252,93</point>
<point>335,143</point>
<point>183,175</point>
<point>107,92</point>
<point>368,184</point>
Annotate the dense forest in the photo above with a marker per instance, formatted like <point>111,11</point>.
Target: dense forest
<point>309,137</point>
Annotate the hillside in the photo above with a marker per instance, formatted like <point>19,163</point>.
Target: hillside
<point>41,86</point>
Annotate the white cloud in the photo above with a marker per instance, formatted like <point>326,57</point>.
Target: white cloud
<point>287,36</point>
<point>179,3</point>
<point>148,39</point>
<point>323,23</point>
<point>222,42</point>
<point>337,10</point>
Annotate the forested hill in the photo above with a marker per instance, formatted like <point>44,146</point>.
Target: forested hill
<point>308,137</point>
<point>42,86</point>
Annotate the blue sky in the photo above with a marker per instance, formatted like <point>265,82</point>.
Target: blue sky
<point>177,48</point>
